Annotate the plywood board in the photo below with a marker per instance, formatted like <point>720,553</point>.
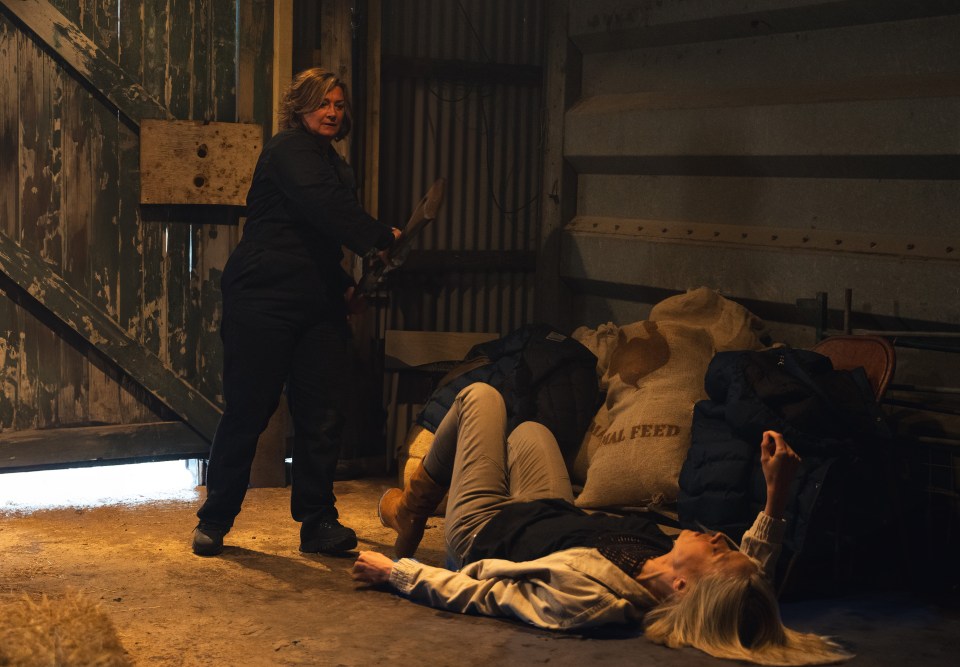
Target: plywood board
<point>192,162</point>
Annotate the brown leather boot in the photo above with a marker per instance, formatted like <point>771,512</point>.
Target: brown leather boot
<point>406,510</point>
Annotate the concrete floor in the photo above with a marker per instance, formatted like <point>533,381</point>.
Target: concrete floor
<point>264,603</point>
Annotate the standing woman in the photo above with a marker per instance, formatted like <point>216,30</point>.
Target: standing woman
<point>286,300</point>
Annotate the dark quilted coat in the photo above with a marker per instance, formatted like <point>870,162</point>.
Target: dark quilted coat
<point>543,376</point>
<point>830,419</point>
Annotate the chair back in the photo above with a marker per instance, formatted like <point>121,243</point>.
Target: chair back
<point>874,354</point>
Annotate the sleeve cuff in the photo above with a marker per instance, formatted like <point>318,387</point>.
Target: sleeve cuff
<point>402,575</point>
<point>768,529</point>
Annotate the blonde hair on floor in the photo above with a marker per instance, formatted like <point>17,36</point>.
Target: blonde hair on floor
<point>737,617</point>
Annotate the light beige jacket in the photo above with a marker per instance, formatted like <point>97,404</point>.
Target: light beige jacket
<point>568,590</point>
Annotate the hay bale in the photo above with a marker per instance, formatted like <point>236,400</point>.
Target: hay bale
<point>67,632</point>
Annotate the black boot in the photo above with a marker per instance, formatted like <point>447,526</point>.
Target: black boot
<point>326,536</point>
<point>208,539</point>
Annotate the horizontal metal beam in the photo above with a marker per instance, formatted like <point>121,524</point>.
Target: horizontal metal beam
<point>891,292</point>
<point>624,128</point>
<point>912,246</point>
<point>608,25</point>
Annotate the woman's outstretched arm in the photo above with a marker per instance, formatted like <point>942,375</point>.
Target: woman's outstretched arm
<point>762,541</point>
<point>547,593</point>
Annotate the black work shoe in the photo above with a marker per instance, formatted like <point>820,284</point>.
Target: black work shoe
<point>208,540</point>
<point>326,537</point>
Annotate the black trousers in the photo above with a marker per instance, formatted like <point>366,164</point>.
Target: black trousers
<point>270,340</point>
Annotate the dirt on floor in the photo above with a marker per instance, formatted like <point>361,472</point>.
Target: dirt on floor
<point>262,602</point>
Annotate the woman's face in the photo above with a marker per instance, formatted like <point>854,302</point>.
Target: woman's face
<point>325,122</point>
<point>697,554</point>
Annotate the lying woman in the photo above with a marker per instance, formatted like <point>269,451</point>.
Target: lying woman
<point>523,550</point>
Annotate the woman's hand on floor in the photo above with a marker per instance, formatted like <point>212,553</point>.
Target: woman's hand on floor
<point>372,568</point>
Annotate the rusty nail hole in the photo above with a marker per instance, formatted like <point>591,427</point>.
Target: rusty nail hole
<point>873,244</point>
<point>743,235</point>
<point>664,230</point>
<point>910,246</point>
<point>616,227</point>
<point>596,224</point>
<point>805,239</point>
<point>689,231</point>
<point>838,242</point>
<point>715,234</point>
<point>639,229</point>
<point>202,150</point>
<point>199,181</point>
<point>949,248</point>
<point>774,237</point>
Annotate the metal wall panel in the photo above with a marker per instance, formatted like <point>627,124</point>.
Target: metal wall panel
<point>772,149</point>
<point>461,99</point>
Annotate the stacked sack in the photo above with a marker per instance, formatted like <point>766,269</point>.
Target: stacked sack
<point>652,372</point>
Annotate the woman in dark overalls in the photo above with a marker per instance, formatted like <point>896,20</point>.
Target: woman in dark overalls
<point>286,299</point>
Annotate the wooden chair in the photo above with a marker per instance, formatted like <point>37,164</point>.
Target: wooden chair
<point>873,353</point>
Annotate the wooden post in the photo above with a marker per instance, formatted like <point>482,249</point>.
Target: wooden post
<point>282,52</point>
<point>559,183</point>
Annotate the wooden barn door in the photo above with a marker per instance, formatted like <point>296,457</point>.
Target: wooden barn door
<point>108,333</point>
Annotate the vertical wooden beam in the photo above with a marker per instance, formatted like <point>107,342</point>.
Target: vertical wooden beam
<point>41,99</point>
<point>254,81</point>
<point>282,53</point>
<point>78,108</point>
<point>559,184</point>
<point>371,157</point>
<point>335,49</point>
<point>131,270</point>
<point>9,210</point>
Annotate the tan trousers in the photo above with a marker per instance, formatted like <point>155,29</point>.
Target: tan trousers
<point>487,468</point>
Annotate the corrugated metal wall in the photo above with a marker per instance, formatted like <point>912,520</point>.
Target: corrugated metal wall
<point>461,99</point>
<point>772,149</point>
<point>69,176</point>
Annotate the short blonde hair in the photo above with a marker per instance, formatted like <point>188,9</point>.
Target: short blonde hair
<point>305,94</point>
<point>738,618</point>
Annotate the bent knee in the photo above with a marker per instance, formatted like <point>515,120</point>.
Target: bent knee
<point>481,392</point>
<point>533,432</point>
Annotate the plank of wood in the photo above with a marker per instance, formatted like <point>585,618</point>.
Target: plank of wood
<point>57,33</point>
<point>9,127</point>
<point>407,349</point>
<point>39,223</point>
<point>78,105</point>
<point>223,62</point>
<point>282,53</point>
<point>178,83</point>
<point>9,213</point>
<point>192,162</point>
<point>95,445</point>
<point>46,288</point>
